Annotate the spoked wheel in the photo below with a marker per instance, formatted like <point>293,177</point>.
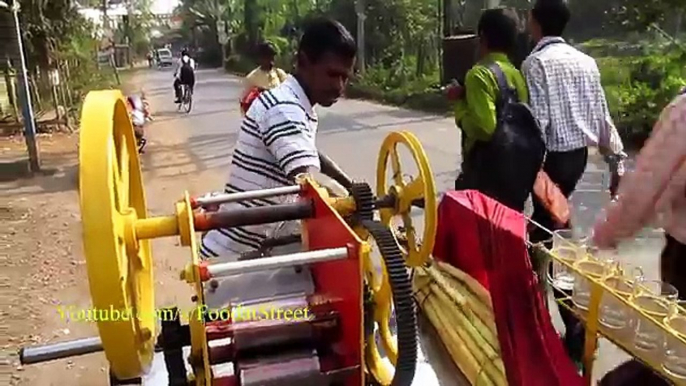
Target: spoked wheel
<point>420,188</point>
<point>188,101</point>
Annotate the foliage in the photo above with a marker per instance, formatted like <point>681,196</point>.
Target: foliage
<point>56,36</point>
<point>403,38</point>
<point>47,27</point>
<point>640,14</point>
<point>638,88</point>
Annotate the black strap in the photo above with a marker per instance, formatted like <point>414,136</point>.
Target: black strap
<point>506,94</point>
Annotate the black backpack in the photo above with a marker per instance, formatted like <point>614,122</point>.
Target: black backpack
<point>505,168</point>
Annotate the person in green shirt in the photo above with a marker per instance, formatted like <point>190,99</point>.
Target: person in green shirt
<point>475,109</point>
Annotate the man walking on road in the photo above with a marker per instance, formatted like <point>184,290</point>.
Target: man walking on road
<point>568,100</point>
<point>276,141</point>
<point>485,106</point>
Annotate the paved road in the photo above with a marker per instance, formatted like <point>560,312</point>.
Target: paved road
<point>200,144</point>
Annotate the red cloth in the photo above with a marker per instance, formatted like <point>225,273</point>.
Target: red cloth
<point>486,240</point>
<point>247,101</point>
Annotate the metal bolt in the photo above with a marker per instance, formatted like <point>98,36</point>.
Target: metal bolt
<point>146,334</point>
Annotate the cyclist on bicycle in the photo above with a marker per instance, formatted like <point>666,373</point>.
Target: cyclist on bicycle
<point>184,74</point>
<point>265,77</point>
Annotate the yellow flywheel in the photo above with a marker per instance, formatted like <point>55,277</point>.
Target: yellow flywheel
<point>119,266</point>
<point>421,188</point>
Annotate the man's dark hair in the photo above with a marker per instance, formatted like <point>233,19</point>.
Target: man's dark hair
<point>499,27</point>
<point>266,49</point>
<point>552,16</point>
<point>323,35</point>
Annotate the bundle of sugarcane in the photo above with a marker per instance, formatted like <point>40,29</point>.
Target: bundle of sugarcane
<point>461,312</point>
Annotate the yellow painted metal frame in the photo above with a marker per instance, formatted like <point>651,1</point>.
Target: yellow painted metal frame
<point>594,329</point>
<point>421,187</point>
<point>117,233</point>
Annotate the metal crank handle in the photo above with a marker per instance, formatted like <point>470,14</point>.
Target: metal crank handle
<point>50,352</point>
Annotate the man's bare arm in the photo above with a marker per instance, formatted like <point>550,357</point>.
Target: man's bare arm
<point>329,168</point>
<point>332,170</point>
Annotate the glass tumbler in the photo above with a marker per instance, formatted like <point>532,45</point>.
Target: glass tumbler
<point>567,250</point>
<point>614,313</point>
<point>656,299</point>
<point>675,351</point>
<point>596,269</point>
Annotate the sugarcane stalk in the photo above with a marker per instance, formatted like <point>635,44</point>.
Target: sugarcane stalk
<point>479,346</point>
<point>469,337</point>
<point>452,342</point>
<point>476,306</point>
<point>474,286</point>
<point>440,280</point>
<point>475,310</point>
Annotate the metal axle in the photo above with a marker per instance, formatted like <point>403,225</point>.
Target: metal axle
<point>244,196</point>
<point>283,261</point>
<point>50,352</point>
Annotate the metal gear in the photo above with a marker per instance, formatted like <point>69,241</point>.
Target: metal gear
<point>364,201</point>
<point>405,310</point>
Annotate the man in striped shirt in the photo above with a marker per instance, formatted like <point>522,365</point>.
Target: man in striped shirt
<point>276,141</point>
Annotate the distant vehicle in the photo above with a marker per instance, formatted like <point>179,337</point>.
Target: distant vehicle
<point>165,57</point>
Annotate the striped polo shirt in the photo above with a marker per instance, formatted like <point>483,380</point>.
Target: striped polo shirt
<point>277,136</point>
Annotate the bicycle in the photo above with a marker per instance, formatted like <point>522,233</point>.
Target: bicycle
<point>186,98</point>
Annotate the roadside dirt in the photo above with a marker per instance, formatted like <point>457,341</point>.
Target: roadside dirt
<point>42,252</point>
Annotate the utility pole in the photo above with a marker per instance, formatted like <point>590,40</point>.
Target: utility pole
<point>25,94</point>
<point>361,16</point>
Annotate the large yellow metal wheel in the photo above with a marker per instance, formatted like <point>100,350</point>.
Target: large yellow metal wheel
<point>119,266</point>
<point>421,187</point>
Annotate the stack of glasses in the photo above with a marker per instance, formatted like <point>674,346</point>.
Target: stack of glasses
<point>649,315</point>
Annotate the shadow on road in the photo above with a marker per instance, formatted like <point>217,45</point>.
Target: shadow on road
<point>200,153</point>
<point>48,180</point>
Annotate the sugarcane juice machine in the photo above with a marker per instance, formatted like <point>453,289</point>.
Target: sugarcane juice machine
<point>333,329</point>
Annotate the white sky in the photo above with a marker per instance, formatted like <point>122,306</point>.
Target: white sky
<point>163,6</point>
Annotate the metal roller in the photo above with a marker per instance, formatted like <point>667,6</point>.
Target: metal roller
<point>50,352</point>
<point>267,263</point>
<point>253,216</point>
<point>282,369</point>
<point>244,196</point>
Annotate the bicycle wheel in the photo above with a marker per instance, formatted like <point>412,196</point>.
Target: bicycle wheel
<point>188,100</point>
<point>184,91</point>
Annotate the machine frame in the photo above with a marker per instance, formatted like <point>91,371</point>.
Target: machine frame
<point>337,232</point>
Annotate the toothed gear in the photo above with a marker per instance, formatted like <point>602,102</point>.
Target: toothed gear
<point>405,310</point>
<point>364,201</point>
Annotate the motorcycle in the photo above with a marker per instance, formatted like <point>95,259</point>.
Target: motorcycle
<point>140,114</point>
